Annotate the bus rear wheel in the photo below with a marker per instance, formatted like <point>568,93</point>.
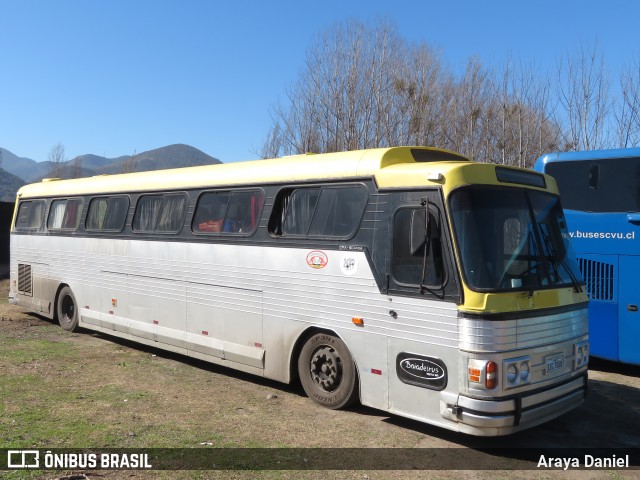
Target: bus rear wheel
<point>327,372</point>
<point>67,310</point>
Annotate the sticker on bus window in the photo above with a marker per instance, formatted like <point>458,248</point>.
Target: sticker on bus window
<point>428,372</point>
<point>317,259</point>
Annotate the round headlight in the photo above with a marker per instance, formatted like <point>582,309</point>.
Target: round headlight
<point>512,373</point>
<point>524,371</point>
<point>583,356</point>
<point>580,355</point>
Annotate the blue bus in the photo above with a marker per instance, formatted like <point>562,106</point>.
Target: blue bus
<point>600,194</point>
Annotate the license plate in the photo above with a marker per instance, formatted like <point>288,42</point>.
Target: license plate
<point>554,363</point>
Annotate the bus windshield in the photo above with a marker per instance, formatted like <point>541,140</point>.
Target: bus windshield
<point>512,239</point>
<point>599,185</point>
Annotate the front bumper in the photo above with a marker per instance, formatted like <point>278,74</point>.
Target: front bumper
<point>507,415</point>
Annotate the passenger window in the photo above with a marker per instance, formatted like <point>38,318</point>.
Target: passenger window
<point>410,268</point>
<point>30,215</point>
<point>333,212</point>
<point>299,211</point>
<point>160,213</point>
<point>235,212</point>
<point>107,214</point>
<point>65,214</point>
<point>338,212</point>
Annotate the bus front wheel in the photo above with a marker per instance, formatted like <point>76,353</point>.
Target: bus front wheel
<point>327,372</point>
<point>67,310</point>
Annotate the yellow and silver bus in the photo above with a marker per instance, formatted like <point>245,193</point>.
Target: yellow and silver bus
<point>411,279</point>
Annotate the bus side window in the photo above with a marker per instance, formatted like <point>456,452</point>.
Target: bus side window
<point>228,212</point>
<point>210,212</point>
<point>338,212</point>
<point>107,214</point>
<point>407,267</point>
<point>30,215</point>
<point>160,213</point>
<point>300,208</point>
<point>172,213</point>
<point>65,214</point>
<point>243,212</point>
<point>319,212</point>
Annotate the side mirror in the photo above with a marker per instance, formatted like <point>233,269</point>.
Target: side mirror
<point>419,229</point>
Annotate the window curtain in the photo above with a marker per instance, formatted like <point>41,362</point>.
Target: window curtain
<point>116,214</point>
<point>300,211</point>
<point>96,214</point>
<point>72,214</point>
<point>148,211</point>
<point>171,214</point>
<point>57,214</point>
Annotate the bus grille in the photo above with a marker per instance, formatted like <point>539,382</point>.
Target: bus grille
<point>599,279</point>
<point>24,279</point>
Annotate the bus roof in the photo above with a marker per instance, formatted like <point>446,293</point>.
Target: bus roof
<point>585,155</point>
<point>391,167</point>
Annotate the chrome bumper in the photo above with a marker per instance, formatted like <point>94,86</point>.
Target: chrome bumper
<point>504,416</point>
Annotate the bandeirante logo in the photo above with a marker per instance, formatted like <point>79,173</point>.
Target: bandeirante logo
<point>422,368</point>
<point>421,371</point>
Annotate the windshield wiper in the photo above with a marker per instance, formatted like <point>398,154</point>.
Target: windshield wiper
<point>563,262</point>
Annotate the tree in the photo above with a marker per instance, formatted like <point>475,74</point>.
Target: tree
<point>628,112</point>
<point>521,122</point>
<point>130,164</point>
<point>76,167</point>
<point>584,94</point>
<point>366,87</point>
<point>344,98</point>
<point>56,157</point>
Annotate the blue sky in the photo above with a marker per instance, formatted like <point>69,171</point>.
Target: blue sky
<point>114,77</point>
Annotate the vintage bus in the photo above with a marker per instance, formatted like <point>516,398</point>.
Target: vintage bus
<point>600,193</point>
<point>411,279</point>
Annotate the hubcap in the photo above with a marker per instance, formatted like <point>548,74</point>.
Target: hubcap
<point>68,308</point>
<point>326,368</point>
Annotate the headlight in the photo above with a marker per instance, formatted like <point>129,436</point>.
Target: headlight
<point>517,371</point>
<point>581,355</point>
<point>525,370</point>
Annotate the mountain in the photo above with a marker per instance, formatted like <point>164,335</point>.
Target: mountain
<point>9,185</point>
<point>171,156</point>
<point>24,168</point>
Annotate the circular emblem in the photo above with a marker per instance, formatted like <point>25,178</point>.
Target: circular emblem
<point>349,264</point>
<point>317,259</point>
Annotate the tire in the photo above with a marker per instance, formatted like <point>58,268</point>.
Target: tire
<point>67,310</point>
<point>327,372</point>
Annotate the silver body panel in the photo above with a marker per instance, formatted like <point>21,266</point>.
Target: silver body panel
<point>245,307</point>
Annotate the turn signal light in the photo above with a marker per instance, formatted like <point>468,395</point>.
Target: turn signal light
<point>492,375</point>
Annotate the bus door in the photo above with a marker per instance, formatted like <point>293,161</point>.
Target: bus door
<point>629,308</point>
<point>423,342</point>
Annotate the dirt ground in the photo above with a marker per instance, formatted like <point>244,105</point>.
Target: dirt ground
<point>133,396</point>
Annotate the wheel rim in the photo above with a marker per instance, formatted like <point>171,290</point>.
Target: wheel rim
<point>68,309</point>
<point>326,368</point>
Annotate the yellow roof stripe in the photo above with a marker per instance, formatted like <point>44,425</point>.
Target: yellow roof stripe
<point>391,167</point>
